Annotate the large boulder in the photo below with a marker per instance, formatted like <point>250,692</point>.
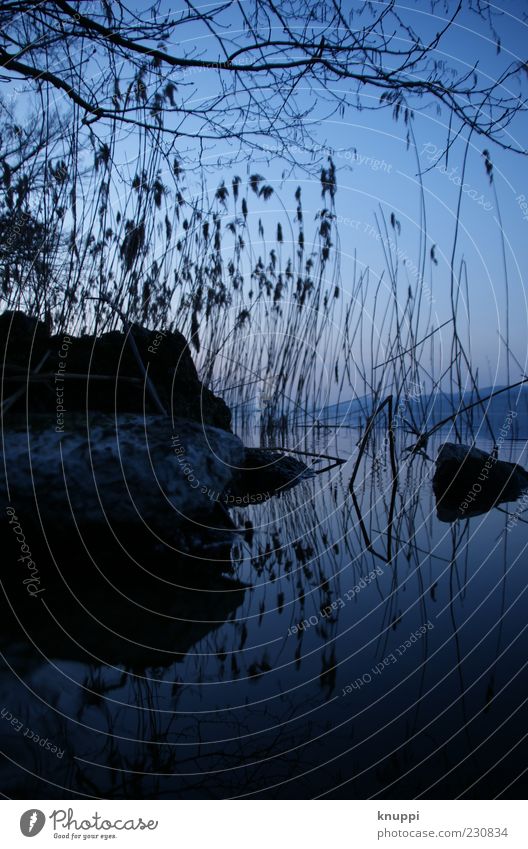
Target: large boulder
<point>468,481</point>
<point>102,373</point>
<point>119,471</point>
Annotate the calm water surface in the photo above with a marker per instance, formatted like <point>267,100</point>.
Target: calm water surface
<point>302,665</point>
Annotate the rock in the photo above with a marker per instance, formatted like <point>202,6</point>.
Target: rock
<point>101,373</point>
<point>122,471</point>
<point>265,473</point>
<point>129,618</point>
<point>468,482</point>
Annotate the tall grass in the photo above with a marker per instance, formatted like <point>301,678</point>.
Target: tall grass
<point>254,286</point>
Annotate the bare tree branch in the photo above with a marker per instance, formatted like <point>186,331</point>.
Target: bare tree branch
<point>258,53</point>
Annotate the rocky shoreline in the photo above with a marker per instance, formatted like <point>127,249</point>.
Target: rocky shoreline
<point>86,446</point>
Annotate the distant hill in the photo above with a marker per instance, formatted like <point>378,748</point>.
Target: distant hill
<point>435,407</point>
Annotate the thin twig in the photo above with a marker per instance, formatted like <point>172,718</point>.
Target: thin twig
<point>364,441</point>
<point>408,351</point>
<point>392,452</point>
<point>337,460</point>
<point>425,436</point>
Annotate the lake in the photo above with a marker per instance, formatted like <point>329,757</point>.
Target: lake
<point>295,662</point>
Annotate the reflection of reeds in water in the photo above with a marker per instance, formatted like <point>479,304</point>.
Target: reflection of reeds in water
<point>277,335</point>
<point>245,709</point>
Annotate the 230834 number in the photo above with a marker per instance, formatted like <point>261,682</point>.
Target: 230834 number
<point>479,831</point>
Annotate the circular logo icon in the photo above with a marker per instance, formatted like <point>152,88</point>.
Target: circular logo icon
<point>32,822</point>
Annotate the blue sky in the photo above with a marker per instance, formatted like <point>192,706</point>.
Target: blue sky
<point>385,174</point>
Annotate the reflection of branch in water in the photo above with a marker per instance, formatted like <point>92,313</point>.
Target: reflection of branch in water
<point>368,544</point>
<point>399,526</point>
<point>170,756</point>
<point>490,690</point>
<point>388,402</point>
<point>394,467</point>
<point>453,570</point>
